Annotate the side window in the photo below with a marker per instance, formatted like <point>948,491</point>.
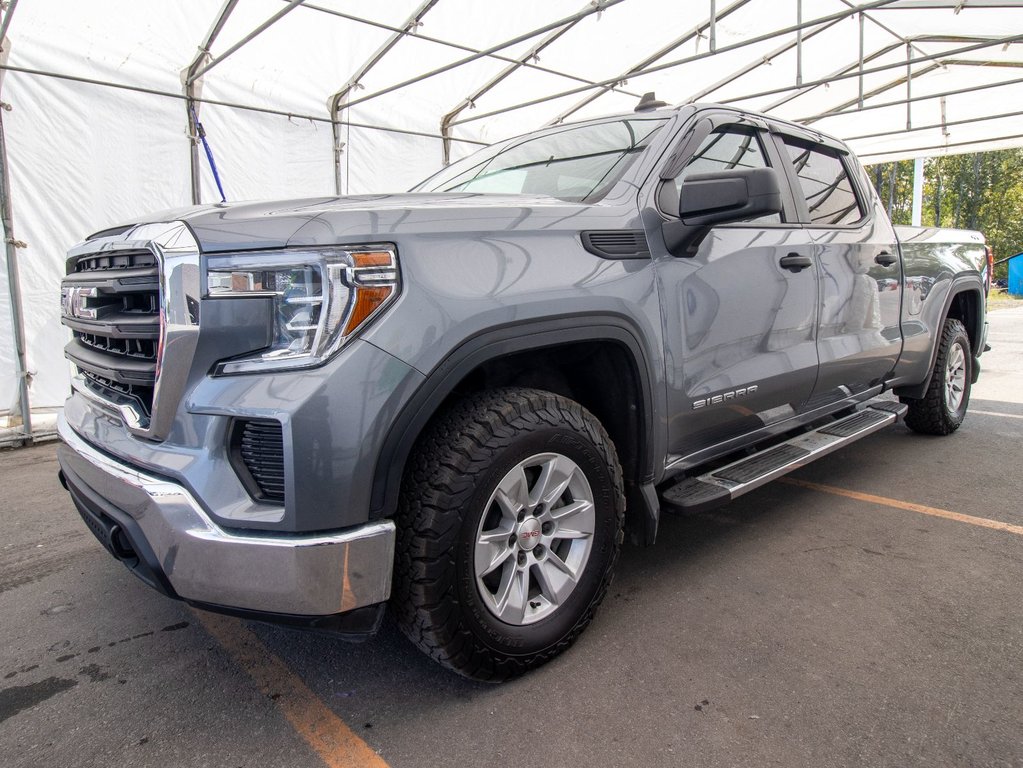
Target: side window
<point>829,192</point>
<point>731,148</point>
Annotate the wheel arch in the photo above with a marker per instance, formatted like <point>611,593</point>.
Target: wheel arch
<point>461,371</point>
<point>964,302</point>
<point>967,306</point>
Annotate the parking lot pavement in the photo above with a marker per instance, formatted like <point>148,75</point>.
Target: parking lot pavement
<point>1002,376</point>
<point>840,621</point>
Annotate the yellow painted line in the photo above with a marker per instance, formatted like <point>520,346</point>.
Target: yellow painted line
<point>337,745</point>
<point>983,522</point>
<point>994,413</point>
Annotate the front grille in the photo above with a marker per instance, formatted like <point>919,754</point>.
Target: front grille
<point>111,303</point>
<point>259,444</point>
<point>115,391</point>
<point>144,349</point>
<point>115,260</point>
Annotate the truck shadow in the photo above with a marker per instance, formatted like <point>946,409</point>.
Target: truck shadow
<point>387,673</point>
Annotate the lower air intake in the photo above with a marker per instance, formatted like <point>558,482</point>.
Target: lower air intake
<point>259,445</point>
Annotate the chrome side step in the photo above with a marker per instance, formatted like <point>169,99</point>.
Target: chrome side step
<point>719,486</point>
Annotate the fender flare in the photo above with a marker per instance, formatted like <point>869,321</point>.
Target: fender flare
<point>959,285</point>
<point>490,345</point>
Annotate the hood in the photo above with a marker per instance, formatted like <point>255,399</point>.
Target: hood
<point>323,220</point>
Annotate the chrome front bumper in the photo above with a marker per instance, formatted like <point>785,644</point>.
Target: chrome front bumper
<point>296,575</point>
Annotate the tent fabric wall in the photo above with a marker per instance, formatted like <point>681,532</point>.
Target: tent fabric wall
<point>83,156</point>
<point>71,176</point>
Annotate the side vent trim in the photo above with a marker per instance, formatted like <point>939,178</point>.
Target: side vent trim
<point>617,244</point>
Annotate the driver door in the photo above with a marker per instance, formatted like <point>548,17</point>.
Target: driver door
<point>739,327</point>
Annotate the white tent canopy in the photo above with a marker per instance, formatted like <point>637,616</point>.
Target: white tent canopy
<point>352,96</point>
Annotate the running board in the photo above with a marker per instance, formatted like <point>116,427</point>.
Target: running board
<point>719,486</point>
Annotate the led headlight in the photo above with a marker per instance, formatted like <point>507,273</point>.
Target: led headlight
<point>321,298</point>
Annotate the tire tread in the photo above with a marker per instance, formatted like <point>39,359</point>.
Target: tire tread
<point>439,480</point>
<point>928,414</point>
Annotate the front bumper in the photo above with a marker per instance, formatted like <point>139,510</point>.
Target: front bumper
<point>157,528</point>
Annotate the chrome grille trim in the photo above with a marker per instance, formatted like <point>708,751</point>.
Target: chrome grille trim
<point>123,264</point>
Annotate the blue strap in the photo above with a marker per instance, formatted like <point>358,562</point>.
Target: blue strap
<point>201,132</point>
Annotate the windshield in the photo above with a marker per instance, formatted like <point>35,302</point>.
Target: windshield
<point>578,163</point>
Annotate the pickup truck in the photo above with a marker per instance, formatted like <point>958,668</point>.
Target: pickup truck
<point>459,401</point>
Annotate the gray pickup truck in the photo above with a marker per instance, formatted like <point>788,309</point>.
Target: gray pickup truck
<point>459,400</point>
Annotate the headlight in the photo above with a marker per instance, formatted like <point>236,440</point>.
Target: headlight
<point>321,298</point>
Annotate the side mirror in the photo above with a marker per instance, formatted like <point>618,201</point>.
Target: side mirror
<point>727,196</point>
<point>723,197</point>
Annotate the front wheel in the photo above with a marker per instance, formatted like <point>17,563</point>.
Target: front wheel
<point>943,407</point>
<point>510,524</point>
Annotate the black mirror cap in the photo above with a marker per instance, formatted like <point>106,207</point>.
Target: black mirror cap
<point>729,196</point>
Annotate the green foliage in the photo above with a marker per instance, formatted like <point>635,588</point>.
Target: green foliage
<point>976,191</point>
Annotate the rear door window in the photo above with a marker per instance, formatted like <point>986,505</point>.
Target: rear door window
<point>829,192</point>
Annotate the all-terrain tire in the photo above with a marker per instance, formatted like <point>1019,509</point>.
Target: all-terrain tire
<point>450,483</point>
<point>937,412</point>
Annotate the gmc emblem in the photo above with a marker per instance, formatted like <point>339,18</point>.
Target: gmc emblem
<point>74,302</point>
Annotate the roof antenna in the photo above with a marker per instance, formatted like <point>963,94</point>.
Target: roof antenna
<point>649,102</point>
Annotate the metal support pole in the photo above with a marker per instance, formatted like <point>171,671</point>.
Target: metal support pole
<point>11,246</point>
<point>893,174</point>
<point>607,86</point>
<point>909,86</point>
<point>469,102</point>
<point>193,155</point>
<point>599,6</point>
<point>293,4</point>
<point>5,25</point>
<point>918,191</point>
<point>338,150</point>
<point>899,102</point>
<point>970,145</point>
<point>943,125</point>
<point>799,43</point>
<point>792,95</point>
<point>737,74</point>
<point>713,25</point>
<point>873,20</point>
<point>192,101</point>
<point>856,68</point>
<point>610,83</point>
<point>892,84</point>
<point>862,19</point>
<point>14,289</point>
<point>337,102</point>
<point>321,118</point>
<point>453,45</point>
<point>851,72</point>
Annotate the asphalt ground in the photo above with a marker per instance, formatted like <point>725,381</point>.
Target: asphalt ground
<point>866,611</point>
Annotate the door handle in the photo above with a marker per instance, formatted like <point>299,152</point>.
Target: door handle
<point>885,259</point>
<point>794,262</point>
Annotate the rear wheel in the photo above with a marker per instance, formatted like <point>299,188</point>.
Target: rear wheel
<point>510,524</point>
<point>942,409</point>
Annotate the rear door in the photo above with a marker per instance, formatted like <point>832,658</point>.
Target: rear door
<point>857,260</point>
<point>738,327</point>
